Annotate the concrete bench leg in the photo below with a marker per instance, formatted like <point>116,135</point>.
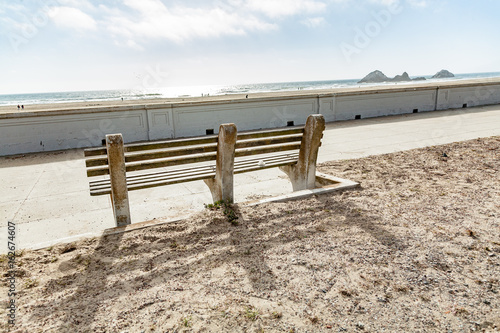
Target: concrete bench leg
<point>117,175</point>
<point>222,185</point>
<point>303,174</point>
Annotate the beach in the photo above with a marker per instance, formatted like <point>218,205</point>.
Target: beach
<point>412,249</point>
<point>357,89</point>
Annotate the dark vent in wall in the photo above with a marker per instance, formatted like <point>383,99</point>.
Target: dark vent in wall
<point>103,142</point>
<point>358,116</point>
<point>415,110</point>
<point>464,106</point>
<point>209,131</point>
<point>289,123</point>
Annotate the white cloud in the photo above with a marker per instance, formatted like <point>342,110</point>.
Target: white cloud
<point>418,3</point>
<point>81,4</point>
<point>67,17</point>
<point>413,3</point>
<point>313,22</point>
<point>280,8</point>
<point>153,20</point>
<point>385,2</point>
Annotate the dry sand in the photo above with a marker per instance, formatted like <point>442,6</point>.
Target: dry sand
<point>415,249</point>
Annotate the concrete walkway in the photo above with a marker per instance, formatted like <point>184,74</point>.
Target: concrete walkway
<point>47,196</point>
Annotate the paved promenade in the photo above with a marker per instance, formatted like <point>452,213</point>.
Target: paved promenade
<point>46,194</point>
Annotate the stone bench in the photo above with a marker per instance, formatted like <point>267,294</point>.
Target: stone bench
<point>214,159</point>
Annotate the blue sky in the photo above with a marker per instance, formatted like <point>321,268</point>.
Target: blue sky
<point>68,45</point>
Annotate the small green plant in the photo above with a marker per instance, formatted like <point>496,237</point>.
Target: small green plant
<point>227,209</point>
<point>186,321</point>
<point>30,283</point>
<point>252,314</point>
<point>277,315</point>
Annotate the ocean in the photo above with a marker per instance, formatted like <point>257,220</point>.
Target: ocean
<point>194,91</point>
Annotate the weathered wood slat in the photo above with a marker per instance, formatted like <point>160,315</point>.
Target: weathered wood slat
<point>268,141</point>
<point>103,191</point>
<point>267,149</point>
<point>202,168</point>
<point>266,166</point>
<point>146,176</point>
<point>241,161</point>
<point>269,161</point>
<point>160,163</point>
<point>273,132</point>
<point>189,159</point>
<point>137,181</point>
<point>132,147</point>
<point>156,154</point>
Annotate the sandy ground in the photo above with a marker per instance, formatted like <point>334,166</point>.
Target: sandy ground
<point>416,248</point>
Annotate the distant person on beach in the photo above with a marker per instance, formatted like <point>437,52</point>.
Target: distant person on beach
<point>18,107</point>
<point>22,107</point>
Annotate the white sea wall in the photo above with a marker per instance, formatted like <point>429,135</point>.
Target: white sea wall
<point>468,96</point>
<point>26,132</point>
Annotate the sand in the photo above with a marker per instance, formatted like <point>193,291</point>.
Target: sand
<point>415,249</point>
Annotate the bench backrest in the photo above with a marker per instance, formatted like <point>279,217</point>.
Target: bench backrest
<point>158,154</point>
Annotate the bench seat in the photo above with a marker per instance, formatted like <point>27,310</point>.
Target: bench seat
<point>175,176</point>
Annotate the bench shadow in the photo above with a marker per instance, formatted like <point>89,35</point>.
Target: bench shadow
<point>178,251</point>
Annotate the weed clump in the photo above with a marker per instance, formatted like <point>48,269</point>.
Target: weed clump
<point>227,209</point>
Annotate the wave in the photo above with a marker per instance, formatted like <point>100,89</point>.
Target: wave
<point>210,90</point>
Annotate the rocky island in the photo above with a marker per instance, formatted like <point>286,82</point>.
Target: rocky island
<point>443,74</point>
<point>378,77</point>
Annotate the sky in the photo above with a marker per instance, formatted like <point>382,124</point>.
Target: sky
<point>73,45</point>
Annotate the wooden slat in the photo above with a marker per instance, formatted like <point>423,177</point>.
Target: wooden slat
<point>268,141</point>
<point>267,149</point>
<point>150,184</point>
<point>256,160</point>
<point>150,145</point>
<point>170,143</point>
<point>273,132</point>
<point>267,165</point>
<point>138,181</point>
<point>160,163</point>
<point>89,152</point>
<point>171,161</point>
<point>99,151</point>
<point>155,154</point>
<point>102,187</point>
<point>176,172</point>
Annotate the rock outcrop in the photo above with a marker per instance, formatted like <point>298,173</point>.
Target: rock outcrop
<point>443,74</point>
<point>378,77</point>
<point>401,78</point>
<point>375,77</point>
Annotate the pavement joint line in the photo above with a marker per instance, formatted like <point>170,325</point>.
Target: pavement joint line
<point>26,198</point>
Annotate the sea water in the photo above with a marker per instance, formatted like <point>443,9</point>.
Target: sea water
<point>196,91</point>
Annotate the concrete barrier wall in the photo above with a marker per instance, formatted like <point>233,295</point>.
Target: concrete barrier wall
<point>57,132</point>
<point>247,115</point>
<point>383,104</point>
<point>457,97</point>
<point>77,128</point>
